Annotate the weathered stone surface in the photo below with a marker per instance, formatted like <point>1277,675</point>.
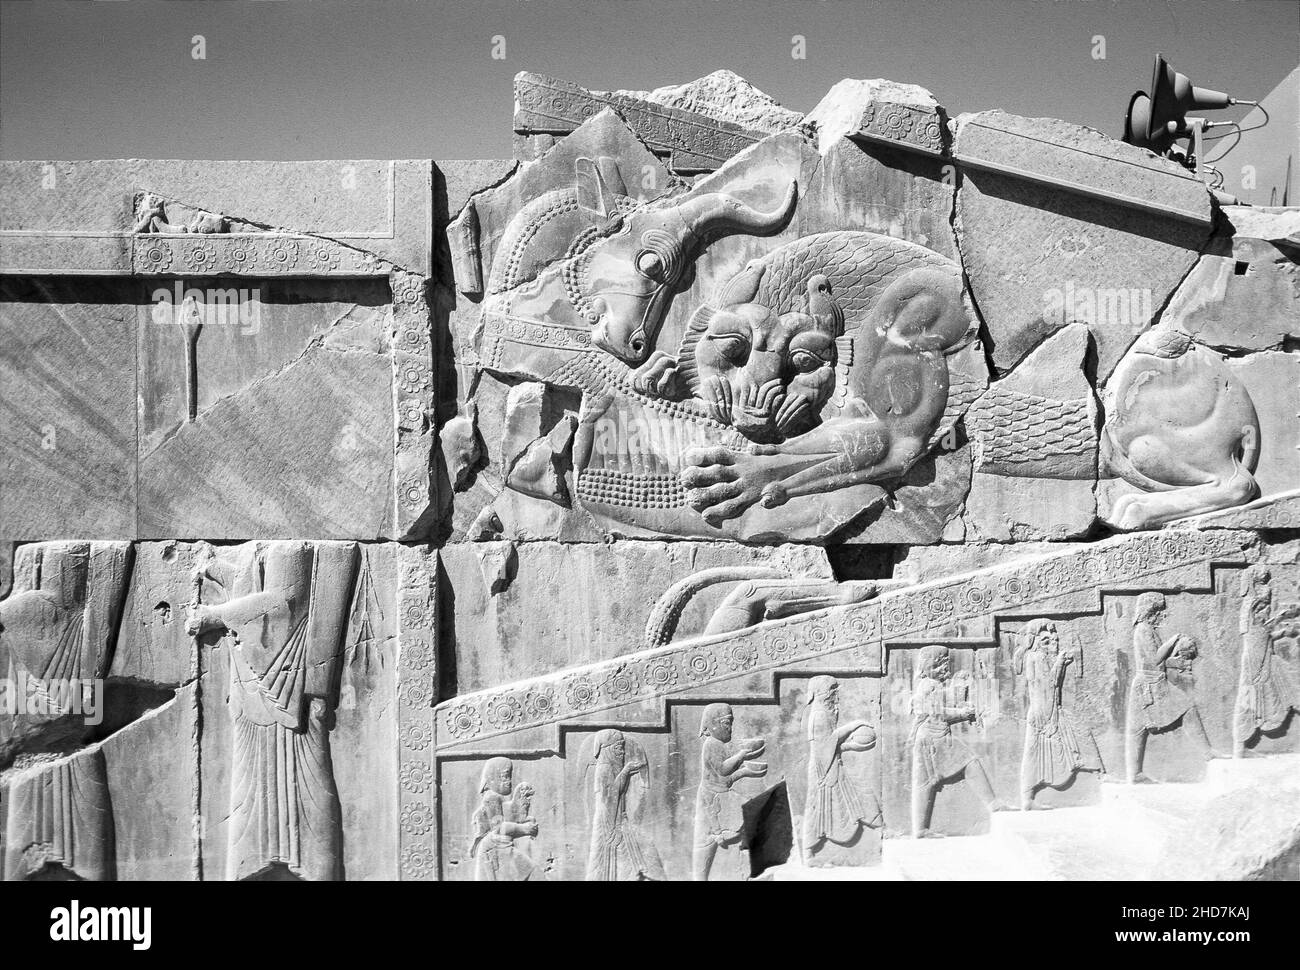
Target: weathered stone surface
<point>1039,257</point>
<point>83,214</point>
<point>254,459</point>
<point>526,627</point>
<point>456,184</point>
<point>1251,833</point>
<point>221,349</point>
<point>725,96</point>
<point>909,199</point>
<point>696,127</point>
<point>68,422</point>
<point>714,493</point>
<point>1090,638</point>
<point>1034,436</point>
<point>1240,293</point>
<point>658,451</point>
<point>6,566</point>
<point>880,110</point>
<point>1190,431</point>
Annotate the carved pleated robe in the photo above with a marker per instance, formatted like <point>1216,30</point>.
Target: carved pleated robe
<point>1055,749</point>
<point>57,631</point>
<point>620,851</point>
<point>835,809</point>
<point>60,816</point>
<point>284,806</point>
<point>1265,692</point>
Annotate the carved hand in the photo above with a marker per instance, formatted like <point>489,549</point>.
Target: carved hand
<point>753,769</point>
<point>631,768</point>
<point>201,620</point>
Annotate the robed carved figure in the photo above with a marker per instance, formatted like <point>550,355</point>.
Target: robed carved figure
<point>283,612</point>
<point>58,629</point>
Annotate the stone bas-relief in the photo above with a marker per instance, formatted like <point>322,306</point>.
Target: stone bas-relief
<point>504,827</point>
<point>205,711</point>
<point>939,758</point>
<point>618,775</point>
<point>1055,748</point>
<point>1155,702</point>
<point>719,809</point>
<point>1267,694</point>
<point>835,812</point>
<point>58,627</point>
<point>714,491</point>
<point>283,611</point>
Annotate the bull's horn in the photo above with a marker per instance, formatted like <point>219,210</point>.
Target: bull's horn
<point>717,210</point>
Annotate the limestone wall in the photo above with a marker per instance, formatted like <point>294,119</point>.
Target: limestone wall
<point>710,488</point>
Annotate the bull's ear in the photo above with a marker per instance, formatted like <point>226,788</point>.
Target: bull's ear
<point>598,183</point>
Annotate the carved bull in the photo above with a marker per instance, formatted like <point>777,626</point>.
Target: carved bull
<point>592,255</point>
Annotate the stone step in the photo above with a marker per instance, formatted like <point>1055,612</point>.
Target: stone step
<point>1096,841</point>
<point>955,858</point>
<point>1228,774</point>
<point>1119,839</point>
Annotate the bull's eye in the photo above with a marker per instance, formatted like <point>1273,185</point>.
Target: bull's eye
<point>805,362</point>
<point>650,265</point>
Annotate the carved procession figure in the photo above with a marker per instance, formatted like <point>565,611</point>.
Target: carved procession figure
<point>1155,703</point>
<point>58,629</point>
<point>1055,748</point>
<point>719,808</point>
<point>283,613</point>
<point>835,809</point>
<point>617,774</point>
<point>1266,691</point>
<point>939,758</point>
<point>504,827</point>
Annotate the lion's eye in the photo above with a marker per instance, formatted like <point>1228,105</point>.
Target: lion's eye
<point>805,362</point>
<point>730,346</point>
<point>649,264</point>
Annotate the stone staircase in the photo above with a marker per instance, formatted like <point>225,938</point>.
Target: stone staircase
<point>1122,838</point>
<point>633,691</point>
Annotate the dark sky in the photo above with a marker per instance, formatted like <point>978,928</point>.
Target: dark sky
<point>403,78</point>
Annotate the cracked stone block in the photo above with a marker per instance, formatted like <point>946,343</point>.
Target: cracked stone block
<point>503,634</point>
<point>1239,294</point>
<point>1035,441</point>
<point>232,444</point>
<point>1050,243</point>
<point>695,127</point>
<point>68,422</point>
<point>880,110</point>
<point>83,213</point>
<point>714,492</point>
